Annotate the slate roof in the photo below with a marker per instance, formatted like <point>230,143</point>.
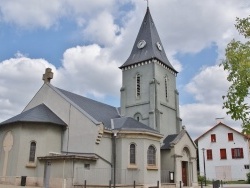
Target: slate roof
<point>128,123</point>
<point>99,111</point>
<point>148,32</point>
<point>40,114</point>
<point>219,124</point>
<point>174,139</point>
<point>167,141</point>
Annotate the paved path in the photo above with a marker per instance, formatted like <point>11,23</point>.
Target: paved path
<point>15,186</point>
<point>236,186</point>
<point>209,186</point>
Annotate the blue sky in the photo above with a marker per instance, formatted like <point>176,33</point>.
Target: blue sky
<point>85,42</point>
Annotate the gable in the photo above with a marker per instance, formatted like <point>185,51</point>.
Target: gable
<point>219,125</point>
<point>61,102</point>
<point>179,140</point>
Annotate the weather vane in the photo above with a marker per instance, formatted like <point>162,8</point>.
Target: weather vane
<point>147,2</point>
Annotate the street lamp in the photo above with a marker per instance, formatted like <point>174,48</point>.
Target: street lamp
<point>204,164</point>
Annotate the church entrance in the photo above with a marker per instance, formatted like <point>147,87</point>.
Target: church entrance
<point>184,172</point>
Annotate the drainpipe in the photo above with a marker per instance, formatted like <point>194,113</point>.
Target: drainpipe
<point>114,136</point>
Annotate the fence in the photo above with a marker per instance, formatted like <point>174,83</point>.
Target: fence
<point>100,176</point>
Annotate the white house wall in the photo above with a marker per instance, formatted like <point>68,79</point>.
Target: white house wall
<point>238,172</point>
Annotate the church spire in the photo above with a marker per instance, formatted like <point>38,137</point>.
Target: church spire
<point>148,45</point>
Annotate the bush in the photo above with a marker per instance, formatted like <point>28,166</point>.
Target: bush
<point>201,178</point>
<point>248,177</point>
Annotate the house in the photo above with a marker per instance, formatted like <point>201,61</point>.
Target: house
<point>64,139</point>
<point>223,153</point>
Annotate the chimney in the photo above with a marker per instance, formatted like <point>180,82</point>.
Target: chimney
<point>219,120</point>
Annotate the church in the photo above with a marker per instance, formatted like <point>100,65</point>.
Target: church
<point>62,139</point>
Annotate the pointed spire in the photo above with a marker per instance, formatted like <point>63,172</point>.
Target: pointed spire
<point>148,45</point>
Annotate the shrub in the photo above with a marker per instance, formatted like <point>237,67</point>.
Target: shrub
<point>248,177</point>
<point>201,178</point>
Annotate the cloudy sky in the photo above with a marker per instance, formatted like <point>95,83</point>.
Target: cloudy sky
<point>85,41</point>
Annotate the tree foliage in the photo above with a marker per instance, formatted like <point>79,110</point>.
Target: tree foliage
<point>237,63</point>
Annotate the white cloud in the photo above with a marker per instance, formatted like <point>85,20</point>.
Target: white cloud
<point>209,85</point>
<point>20,79</point>
<point>86,70</point>
<point>190,26</point>
<point>89,7</point>
<point>102,29</point>
<point>29,13</point>
<point>90,70</point>
<point>184,27</point>
<point>200,117</point>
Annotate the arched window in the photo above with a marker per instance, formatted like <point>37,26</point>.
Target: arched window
<point>132,154</point>
<point>32,151</point>
<point>151,155</point>
<point>138,116</point>
<point>138,85</point>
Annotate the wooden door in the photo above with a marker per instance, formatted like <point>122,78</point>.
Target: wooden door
<point>184,172</point>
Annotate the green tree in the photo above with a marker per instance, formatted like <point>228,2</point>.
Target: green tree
<point>237,63</point>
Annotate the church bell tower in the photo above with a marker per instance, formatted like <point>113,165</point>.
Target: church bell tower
<point>148,91</point>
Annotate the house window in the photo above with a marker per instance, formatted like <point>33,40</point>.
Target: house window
<point>237,153</point>
<point>209,154</point>
<point>213,138</point>
<point>230,137</point>
<point>223,154</point>
<point>138,85</point>
<point>246,166</point>
<point>132,153</point>
<point>151,155</point>
<point>32,151</point>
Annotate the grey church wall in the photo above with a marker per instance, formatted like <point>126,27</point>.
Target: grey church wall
<point>104,149</point>
<point>167,105</point>
<point>47,138</point>
<point>161,73</point>
<point>139,172</point>
<point>132,102</point>
<point>12,163</point>
<point>80,128</point>
<point>167,160</point>
<point>168,123</point>
<point>82,133</point>
<point>152,175</point>
<point>145,104</point>
<point>186,144</point>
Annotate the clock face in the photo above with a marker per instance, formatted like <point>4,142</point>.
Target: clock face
<point>159,46</point>
<point>141,44</point>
